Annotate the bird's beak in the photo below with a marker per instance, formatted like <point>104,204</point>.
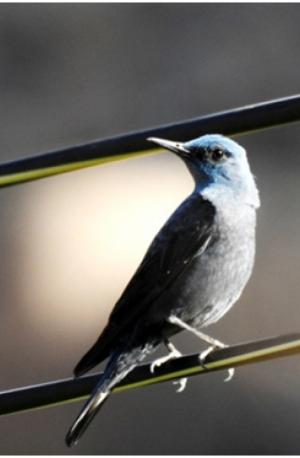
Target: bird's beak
<point>175,147</point>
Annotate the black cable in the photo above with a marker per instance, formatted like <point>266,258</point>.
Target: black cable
<point>231,122</point>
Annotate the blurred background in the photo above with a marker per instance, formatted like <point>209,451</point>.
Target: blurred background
<point>70,73</point>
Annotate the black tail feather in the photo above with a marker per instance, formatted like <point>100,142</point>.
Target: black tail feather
<point>119,365</point>
<point>112,375</point>
<point>85,417</point>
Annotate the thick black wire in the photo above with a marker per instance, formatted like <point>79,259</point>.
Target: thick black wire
<point>231,122</point>
<point>61,391</point>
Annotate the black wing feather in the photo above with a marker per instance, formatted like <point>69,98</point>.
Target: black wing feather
<point>187,231</point>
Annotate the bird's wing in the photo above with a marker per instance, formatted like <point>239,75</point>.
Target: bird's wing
<point>186,234</point>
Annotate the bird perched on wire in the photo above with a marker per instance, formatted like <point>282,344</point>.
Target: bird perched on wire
<point>193,272</point>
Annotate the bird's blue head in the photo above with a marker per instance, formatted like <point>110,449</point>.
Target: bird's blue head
<point>219,167</point>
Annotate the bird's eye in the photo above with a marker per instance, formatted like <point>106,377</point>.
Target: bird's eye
<point>217,155</point>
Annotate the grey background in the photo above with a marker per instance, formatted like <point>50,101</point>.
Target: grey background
<point>71,73</point>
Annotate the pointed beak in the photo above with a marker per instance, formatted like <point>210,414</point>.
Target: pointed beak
<point>175,147</point>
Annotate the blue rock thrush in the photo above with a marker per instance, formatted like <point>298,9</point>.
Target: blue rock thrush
<point>193,272</point>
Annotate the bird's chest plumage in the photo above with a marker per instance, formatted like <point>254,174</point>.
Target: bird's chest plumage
<point>215,278</point>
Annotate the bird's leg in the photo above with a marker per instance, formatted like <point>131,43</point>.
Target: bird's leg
<point>214,343</point>
<point>173,353</point>
<point>208,339</point>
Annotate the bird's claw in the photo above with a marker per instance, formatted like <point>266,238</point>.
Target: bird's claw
<point>231,372</point>
<point>203,355</point>
<point>159,361</point>
<point>174,353</point>
<point>182,384</point>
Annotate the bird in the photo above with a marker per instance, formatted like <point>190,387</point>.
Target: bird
<point>193,272</point>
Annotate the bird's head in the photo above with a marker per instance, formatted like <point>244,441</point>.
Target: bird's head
<point>219,166</point>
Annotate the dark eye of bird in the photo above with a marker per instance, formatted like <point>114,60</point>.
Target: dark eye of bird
<point>217,155</point>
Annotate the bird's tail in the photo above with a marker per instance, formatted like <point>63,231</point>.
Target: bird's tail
<point>86,416</point>
<point>117,368</point>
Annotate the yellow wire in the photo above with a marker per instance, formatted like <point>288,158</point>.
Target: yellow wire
<point>29,175</point>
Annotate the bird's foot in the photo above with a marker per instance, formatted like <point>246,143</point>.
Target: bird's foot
<point>159,361</point>
<point>214,343</point>
<point>173,353</point>
<point>203,355</point>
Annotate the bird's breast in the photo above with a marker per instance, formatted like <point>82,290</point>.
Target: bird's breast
<point>216,277</point>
